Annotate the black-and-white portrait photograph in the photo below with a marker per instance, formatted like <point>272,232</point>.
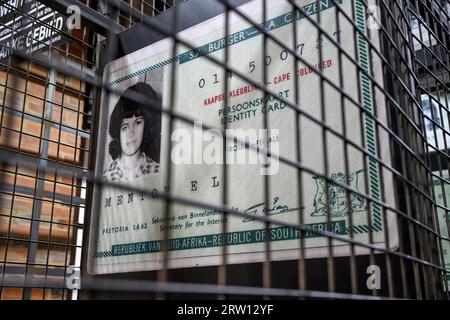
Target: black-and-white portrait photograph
<point>134,130</point>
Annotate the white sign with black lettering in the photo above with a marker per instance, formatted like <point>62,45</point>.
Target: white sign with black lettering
<point>29,26</point>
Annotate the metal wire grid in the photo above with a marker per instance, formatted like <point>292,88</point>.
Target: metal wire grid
<point>51,214</point>
<point>146,7</point>
<point>433,88</point>
<point>416,212</point>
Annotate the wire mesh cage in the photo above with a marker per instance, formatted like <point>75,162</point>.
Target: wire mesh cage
<point>224,149</point>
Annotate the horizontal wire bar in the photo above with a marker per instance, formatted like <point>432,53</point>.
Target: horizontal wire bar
<point>196,288</point>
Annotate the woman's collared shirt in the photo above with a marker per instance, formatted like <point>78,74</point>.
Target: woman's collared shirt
<point>145,166</point>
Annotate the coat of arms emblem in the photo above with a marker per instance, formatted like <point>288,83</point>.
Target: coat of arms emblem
<point>337,196</point>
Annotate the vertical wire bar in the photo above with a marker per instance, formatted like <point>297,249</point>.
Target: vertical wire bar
<point>73,179</point>
<point>49,238</point>
<point>112,43</point>
<point>323,116</point>
<point>162,274</point>
<point>112,46</point>
<point>446,134</point>
<point>403,270</point>
<point>366,159</point>
<point>222,269</point>
<point>301,264</point>
<point>26,291</point>
<point>72,226</point>
<point>266,264</point>
<point>63,89</point>
<point>353,279</point>
<point>387,256</point>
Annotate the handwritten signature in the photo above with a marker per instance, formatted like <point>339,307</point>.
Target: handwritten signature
<point>276,208</point>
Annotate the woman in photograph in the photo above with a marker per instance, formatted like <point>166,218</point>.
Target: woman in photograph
<point>130,128</point>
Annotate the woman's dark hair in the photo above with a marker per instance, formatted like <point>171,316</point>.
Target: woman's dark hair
<point>127,108</point>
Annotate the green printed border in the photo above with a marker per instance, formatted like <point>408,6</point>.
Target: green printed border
<point>161,64</point>
<point>271,24</point>
<point>445,181</point>
<point>103,135</point>
<point>369,123</point>
<point>292,234</point>
<point>367,101</point>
